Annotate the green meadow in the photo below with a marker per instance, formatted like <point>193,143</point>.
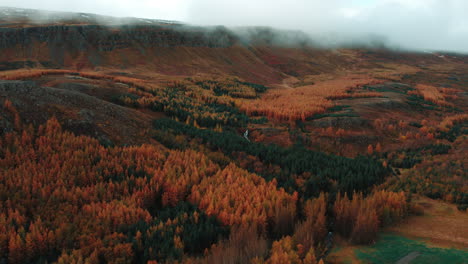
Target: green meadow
<point>391,248</point>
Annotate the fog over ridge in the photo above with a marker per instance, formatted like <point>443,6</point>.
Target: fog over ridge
<point>406,24</point>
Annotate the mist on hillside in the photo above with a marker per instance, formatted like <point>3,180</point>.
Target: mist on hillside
<point>405,24</point>
<point>420,25</point>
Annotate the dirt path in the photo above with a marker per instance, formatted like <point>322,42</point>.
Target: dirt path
<point>408,258</point>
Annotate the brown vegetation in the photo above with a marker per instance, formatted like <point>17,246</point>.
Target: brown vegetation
<point>290,104</point>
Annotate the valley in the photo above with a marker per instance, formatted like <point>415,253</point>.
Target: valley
<point>125,142</point>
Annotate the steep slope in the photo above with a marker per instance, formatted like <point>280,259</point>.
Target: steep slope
<point>81,113</point>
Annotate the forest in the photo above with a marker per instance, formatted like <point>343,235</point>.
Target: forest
<point>69,199</point>
<point>206,193</point>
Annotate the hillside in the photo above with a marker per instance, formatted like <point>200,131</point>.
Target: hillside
<point>147,141</point>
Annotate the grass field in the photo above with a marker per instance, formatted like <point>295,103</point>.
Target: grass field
<point>438,235</point>
<point>440,225</point>
<point>391,248</point>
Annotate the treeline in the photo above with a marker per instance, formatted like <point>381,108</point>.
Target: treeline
<point>308,243</point>
<point>407,158</point>
<point>357,174</point>
<point>175,231</point>
<point>419,103</point>
<point>439,177</point>
<point>176,103</point>
<point>454,132</point>
<point>196,101</point>
<point>360,218</point>
<point>234,88</point>
<point>301,103</point>
<point>357,219</point>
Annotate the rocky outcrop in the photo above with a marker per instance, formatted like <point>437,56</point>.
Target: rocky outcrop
<point>58,46</point>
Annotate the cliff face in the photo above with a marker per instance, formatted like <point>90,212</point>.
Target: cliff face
<point>103,38</point>
<point>56,43</point>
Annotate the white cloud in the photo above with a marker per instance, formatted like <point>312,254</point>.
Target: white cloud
<point>348,12</point>
<point>162,9</point>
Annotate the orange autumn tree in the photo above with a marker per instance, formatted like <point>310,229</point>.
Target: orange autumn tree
<point>69,191</point>
<point>370,149</point>
<point>285,251</point>
<point>378,148</point>
<point>312,231</point>
<point>291,104</point>
<point>8,106</point>
<point>308,239</point>
<point>432,94</point>
<point>238,197</point>
<point>360,218</point>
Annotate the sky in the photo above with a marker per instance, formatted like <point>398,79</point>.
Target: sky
<point>412,24</point>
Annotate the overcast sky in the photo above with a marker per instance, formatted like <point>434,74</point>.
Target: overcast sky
<point>417,24</point>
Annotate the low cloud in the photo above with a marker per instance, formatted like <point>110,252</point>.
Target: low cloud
<point>407,24</point>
